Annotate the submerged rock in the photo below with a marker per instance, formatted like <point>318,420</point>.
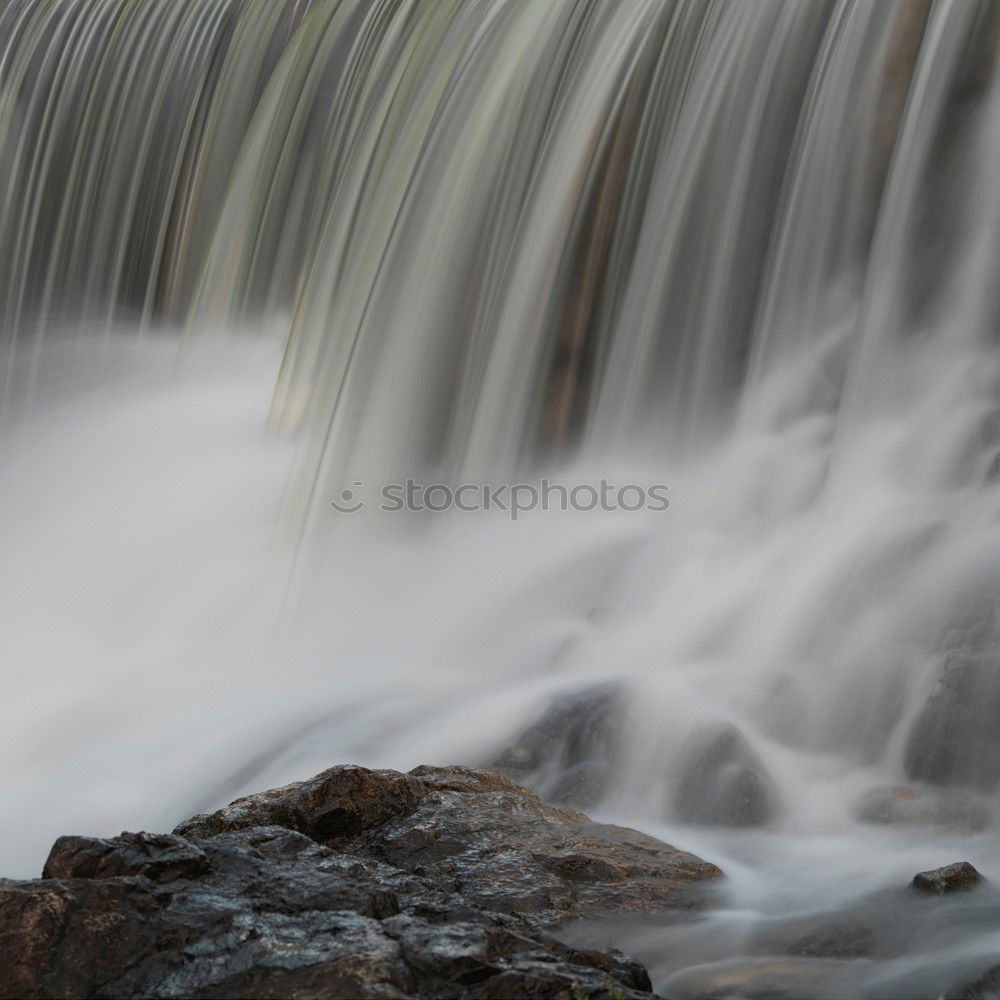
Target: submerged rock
<point>950,878</point>
<point>759,979</point>
<point>985,987</point>
<point>952,809</point>
<point>568,753</point>
<point>442,882</point>
<point>844,939</point>
<point>583,784</point>
<point>724,782</point>
<point>955,739</point>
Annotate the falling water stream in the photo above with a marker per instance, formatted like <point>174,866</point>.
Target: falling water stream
<point>257,256</point>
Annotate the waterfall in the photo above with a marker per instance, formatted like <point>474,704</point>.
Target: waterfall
<point>259,255</point>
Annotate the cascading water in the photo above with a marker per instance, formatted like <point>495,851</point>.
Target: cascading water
<point>745,249</point>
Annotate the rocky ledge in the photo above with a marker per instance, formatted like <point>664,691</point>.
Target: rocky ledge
<point>443,882</point>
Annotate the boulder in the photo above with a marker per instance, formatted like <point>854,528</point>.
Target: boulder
<point>583,784</point>
<point>724,782</point>
<point>340,802</point>
<point>951,878</point>
<point>444,882</point>
<point>955,738</point>
<point>505,849</point>
<point>568,753</point>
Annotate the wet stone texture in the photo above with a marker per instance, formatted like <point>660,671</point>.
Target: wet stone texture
<point>950,878</point>
<point>443,882</point>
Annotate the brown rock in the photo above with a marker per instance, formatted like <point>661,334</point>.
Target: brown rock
<point>950,878</point>
<point>441,883</point>
<point>340,802</point>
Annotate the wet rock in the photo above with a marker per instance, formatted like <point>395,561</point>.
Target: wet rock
<point>160,857</point>
<point>584,784</point>
<point>505,849</point>
<point>985,987</point>
<point>957,810</point>
<point>846,934</point>
<point>567,754</point>
<point>724,782</point>
<point>515,759</point>
<point>578,727</point>
<point>446,887</point>
<point>955,739</point>
<point>951,878</point>
<point>341,802</point>
<point>835,940</point>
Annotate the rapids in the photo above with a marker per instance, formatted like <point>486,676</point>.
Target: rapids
<point>255,254</point>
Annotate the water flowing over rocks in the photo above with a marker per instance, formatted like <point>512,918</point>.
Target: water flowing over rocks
<point>956,737</point>
<point>759,979</point>
<point>724,782</point>
<point>959,810</point>
<point>567,754</point>
<point>444,882</point>
<point>859,948</point>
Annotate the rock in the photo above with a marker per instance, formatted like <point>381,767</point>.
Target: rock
<point>957,810</point>
<point>504,849</point>
<point>443,882</point>
<point>568,753</point>
<point>985,987</point>
<point>515,759</point>
<point>950,878</point>
<point>835,940</point>
<point>584,784</point>
<point>724,782</point>
<point>955,739</point>
<point>160,857</point>
<point>838,934</point>
<point>340,802</point>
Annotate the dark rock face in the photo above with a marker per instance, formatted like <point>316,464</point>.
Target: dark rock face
<point>724,782</point>
<point>340,802</point>
<point>357,883</point>
<point>950,878</point>
<point>160,857</point>
<point>567,755</point>
<point>955,739</point>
